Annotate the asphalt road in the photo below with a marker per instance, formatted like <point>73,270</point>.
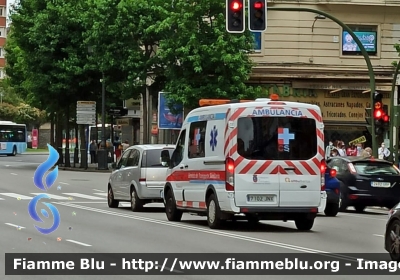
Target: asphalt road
<point>89,226</point>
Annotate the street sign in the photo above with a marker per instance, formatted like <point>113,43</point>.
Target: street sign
<point>118,111</point>
<point>86,112</point>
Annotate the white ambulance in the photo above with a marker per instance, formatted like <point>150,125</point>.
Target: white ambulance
<point>261,160</point>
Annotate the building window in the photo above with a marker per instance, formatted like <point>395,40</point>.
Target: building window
<point>1,52</point>
<point>257,41</point>
<point>2,13</point>
<point>2,32</point>
<point>368,35</point>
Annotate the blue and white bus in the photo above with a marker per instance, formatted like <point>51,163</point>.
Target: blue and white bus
<point>13,138</point>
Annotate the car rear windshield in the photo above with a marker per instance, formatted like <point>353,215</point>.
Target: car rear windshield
<point>152,158</point>
<point>277,138</point>
<point>375,168</point>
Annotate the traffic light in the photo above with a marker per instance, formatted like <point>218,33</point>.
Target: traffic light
<point>257,15</point>
<point>380,116</point>
<point>235,16</point>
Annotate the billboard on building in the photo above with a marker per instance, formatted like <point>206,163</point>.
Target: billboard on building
<point>167,118</point>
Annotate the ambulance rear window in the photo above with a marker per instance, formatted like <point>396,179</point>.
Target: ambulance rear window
<point>277,138</point>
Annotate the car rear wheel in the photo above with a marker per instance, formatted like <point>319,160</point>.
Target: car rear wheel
<point>112,203</point>
<point>394,241</point>
<point>331,209</point>
<point>343,202</point>
<point>304,223</point>
<point>136,202</point>
<point>173,214</point>
<point>213,213</point>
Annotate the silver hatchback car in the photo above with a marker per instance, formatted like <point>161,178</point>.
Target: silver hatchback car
<point>139,176</point>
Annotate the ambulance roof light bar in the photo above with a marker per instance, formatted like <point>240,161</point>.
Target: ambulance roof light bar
<point>212,102</point>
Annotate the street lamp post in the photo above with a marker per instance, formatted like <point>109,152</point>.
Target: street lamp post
<point>363,52</point>
<point>102,163</point>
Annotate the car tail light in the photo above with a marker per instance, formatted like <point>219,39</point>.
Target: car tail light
<point>323,169</point>
<point>332,173</point>
<point>229,174</point>
<point>142,180</point>
<point>351,168</point>
<point>337,191</point>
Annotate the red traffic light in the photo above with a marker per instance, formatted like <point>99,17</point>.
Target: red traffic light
<point>236,5</point>
<point>378,114</point>
<point>385,118</point>
<point>378,105</point>
<point>258,5</point>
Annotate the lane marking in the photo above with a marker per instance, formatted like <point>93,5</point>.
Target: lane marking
<point>16,226</point>
<point>53,196</point>
<point>15,195</point>
<point>98,190</point>
<point>77,242</point>
<point>125,204</point>
<point>361,216</point>
<point>63,183</point>
<point>1,198</point>
<point>84,196</point>
<point>209,231</point>
<point>14,174</point>
<point>7,165</point>
<point>101,194</point>
<point>378,235</point>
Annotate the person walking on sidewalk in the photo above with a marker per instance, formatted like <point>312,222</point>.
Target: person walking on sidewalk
<point>93,152</point>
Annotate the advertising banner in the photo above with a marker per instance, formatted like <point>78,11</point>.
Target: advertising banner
<point>35,138</point>
<point>167,119</point>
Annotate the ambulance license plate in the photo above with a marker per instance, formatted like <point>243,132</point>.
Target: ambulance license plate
<point>261,198</point>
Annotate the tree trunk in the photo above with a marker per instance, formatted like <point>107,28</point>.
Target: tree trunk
<point>67,137</point>
<point>82,136</point>
<point>59,129</point>
<point>52,117</point>
<point>76,150</point>
<point>145,117</point>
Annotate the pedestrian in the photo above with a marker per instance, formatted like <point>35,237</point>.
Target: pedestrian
<point>93,151</point>
<point>117,148</point>
<point>328,150</point>
<point>125,145</point>
<point>352,150</point>
<point>367,153</point>
<point>383,152</point>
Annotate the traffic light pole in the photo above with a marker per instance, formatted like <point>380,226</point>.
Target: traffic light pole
<point>393,122</point>
<point>363,52</point>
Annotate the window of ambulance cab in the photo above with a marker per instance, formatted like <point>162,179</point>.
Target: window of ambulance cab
<point>277,138</point>
<point>375,168</point>
<point>151,158</point>
<point>177,155</point>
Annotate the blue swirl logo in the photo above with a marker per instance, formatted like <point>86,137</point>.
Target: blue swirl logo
<point>38,178</point>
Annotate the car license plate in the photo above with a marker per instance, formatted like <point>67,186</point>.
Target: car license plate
<point>261,198</point>
<point>380,184</point>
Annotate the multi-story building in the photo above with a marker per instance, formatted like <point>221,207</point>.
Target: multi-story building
<point>308,58</point>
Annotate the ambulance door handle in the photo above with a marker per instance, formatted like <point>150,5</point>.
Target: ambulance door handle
<point>290,168</point>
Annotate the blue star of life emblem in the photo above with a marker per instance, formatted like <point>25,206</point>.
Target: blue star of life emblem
<point>213,141</point>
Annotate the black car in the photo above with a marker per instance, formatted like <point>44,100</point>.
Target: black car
<point>366,182</point>
<point>392,233</point>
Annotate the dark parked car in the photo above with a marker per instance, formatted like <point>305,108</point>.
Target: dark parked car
<point>392,233</point>
<point>366,182</point>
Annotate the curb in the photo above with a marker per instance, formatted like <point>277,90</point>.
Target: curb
<point>35,154</point>
<point>84,170</point>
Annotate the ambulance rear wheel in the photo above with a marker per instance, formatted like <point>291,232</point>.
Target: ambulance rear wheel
<point>213,213</point>
<point>304,223</point>
<point>173,214</point>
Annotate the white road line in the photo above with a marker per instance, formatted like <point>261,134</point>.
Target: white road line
<point>98,190</point>
<point>53,196</point>
<point>212,232</point>
<point>63,183</point>
<point>378,235</point>
<point>101,194</point>
<point>361,216</point>
<point>16,226</point>
<point>125,204</point>
<point>84,196</point>
<point>7,165</point>
<point>14,174</point>
<point>1,198</point>
<point>15,195</point>
<point>77,242</point>
<point>95,202</point>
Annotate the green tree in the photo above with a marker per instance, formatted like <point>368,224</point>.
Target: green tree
<point>201,59</point>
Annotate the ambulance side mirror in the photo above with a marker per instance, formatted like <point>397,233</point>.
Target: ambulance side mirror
<point>165,158</point>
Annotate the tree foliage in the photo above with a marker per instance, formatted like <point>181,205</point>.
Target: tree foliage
<point>201,59</point>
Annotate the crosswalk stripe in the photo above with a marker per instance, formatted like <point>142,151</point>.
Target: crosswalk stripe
<point>53,196</point>
<point>84,196</point>
<point>101,194</point>
<point>15,195</point>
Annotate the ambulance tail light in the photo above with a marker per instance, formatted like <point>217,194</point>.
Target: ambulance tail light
<point>230,174</point>
<point>323,170</point>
